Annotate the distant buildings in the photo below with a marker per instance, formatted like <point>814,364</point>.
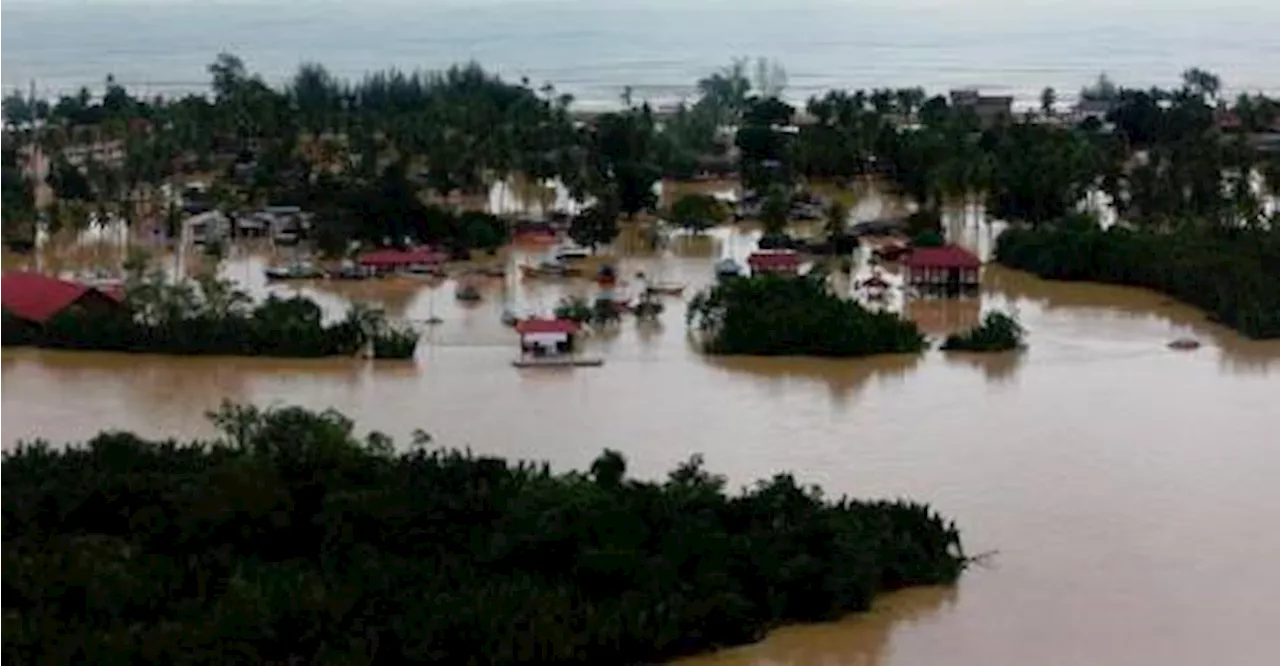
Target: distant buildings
<point>989,109</point>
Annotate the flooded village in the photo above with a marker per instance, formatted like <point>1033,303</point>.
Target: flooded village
<point>1109,488</point>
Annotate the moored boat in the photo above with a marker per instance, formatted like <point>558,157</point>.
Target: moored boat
<point>301,270</point>
<point>570,252</point>
<point>665,289</point>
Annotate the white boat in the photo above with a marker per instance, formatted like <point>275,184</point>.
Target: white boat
<point>100,280</point>
<point>301,270</point>
<point>569,252</point>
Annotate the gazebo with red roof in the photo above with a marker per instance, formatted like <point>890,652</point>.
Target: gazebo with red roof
<point>547,337</point>
<point>778,262</point>
<point>949,268</point>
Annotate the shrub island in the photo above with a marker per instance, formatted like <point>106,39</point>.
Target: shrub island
<point>998,332</point>
<point>209,316</point>
<point>769,315</point>
<point>289,540</point>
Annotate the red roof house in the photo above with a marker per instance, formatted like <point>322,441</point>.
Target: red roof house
<point>37,298</point>
<point>949,267</point>
<point>783,262</point>
<point>947,256</point>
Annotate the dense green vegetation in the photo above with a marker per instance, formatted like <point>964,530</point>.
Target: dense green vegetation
<point>998,332</point>
<point>292,541</point>
<point>783,316</point>
<point>210,317</point>
<point>1231,273</point>
<point>364,155</point>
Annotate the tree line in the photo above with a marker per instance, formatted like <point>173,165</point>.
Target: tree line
<point>1161,156</point>
<point>291,540</point>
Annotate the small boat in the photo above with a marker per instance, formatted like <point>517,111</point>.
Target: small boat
<point>728,268</point>
<point>607,276</point>
<point>571,252</point>
<point>428,270</point>
<point>100,280</point>
<point>301,270</point>
<point>1184,344</point>
<point>468,293</point>
<point>493,271</point>
<point>665,289</point>
<point>549,269</point>
<point>350,271</point>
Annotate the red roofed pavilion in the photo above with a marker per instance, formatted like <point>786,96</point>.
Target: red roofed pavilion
<point>36,298</point>
<point>949,267</point>
<point>544,338</point>
<point>781,262</point>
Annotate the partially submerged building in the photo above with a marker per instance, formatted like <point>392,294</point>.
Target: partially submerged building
<point>777,262</point>
<point>949,269</point>
<point>30,300</point>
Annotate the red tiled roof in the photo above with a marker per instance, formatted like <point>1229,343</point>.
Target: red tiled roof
<point>947,256</point>
<point>393,257</point>
<point>37,297</point>
<point>527,326</point>
<point>773,259</point>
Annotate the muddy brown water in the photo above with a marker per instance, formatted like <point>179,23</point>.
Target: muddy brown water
<point>1129,491</point>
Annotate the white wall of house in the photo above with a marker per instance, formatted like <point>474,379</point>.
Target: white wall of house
<point>547,341</point>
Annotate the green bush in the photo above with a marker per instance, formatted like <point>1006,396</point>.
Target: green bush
<point>997,332</point>
<point>770,315</point>
<point>291,541</point>
<point>1230,273</point>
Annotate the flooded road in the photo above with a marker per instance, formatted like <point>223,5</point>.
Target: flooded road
<point>1128,491</point>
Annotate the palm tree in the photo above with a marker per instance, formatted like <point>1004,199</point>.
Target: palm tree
<point>775,212</point>
<point>836,223</point>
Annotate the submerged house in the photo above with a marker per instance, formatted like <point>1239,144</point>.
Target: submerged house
<point>547,337</point>
<point>950,269</point>
<point>30,300</point>
<point>777,262</point>
<point>207,227</point>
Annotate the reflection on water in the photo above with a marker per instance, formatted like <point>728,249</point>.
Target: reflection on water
<point>940,317</point>
<point>995,367</point>
<point>843,379</point>
<point>858,640</point>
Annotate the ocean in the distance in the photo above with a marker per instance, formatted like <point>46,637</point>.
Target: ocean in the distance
<point>593,49</point>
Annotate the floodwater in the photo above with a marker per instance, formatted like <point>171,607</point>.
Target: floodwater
<point>1125,493</point>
